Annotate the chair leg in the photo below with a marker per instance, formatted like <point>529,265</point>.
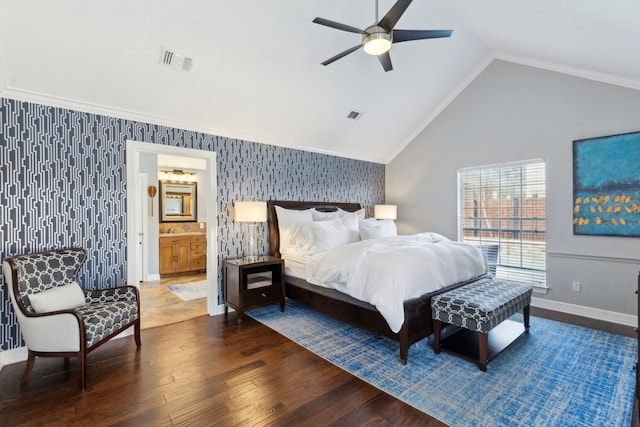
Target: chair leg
<point>136,333</point>
<point>82,370</point>
<point>27,370</point>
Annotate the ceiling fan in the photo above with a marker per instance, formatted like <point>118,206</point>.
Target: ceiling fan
<point>377,38</point>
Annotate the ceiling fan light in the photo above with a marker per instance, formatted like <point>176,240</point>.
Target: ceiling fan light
<point>376,41</point>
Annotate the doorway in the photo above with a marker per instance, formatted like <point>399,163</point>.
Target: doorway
<point>137,260</point>
<point>159,305</point>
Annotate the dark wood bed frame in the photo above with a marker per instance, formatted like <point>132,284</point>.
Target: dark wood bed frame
<point>417,311</point>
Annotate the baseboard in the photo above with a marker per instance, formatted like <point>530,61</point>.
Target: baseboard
<point>152,277</point>
<point>580,310</point>
<point>15,355</point>
<point>219,309</point>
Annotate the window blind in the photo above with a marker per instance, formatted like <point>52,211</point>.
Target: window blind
<point>502,208</point>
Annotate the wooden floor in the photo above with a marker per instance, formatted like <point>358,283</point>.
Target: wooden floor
<point>159,306</point>
<point>208,371</point>
<point>204,371</point>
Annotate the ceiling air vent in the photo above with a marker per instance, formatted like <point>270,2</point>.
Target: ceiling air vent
<point>354,115</point>
<point>173,60</point>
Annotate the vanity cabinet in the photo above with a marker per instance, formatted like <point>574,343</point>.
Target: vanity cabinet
<point>198,255</point>
<point>180,254</point>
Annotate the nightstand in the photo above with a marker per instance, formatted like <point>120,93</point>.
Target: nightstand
<point>253,283</point>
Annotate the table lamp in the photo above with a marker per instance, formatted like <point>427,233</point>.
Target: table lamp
<point>385,212</point>
<point>251,213</point>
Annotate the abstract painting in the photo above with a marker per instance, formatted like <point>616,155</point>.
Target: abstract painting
<point>606,185</point>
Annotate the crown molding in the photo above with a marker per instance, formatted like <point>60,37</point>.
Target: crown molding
<point>61,102</point>
<point>91,108</point>
<point>530,62</point>
<point>572,71</point>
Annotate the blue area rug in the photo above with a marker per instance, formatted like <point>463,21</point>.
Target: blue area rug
<point>557,375</point>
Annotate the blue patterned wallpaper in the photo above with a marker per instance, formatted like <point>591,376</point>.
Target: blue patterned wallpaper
<point>62,184</point>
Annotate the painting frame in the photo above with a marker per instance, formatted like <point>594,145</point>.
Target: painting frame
<point>606,185</point>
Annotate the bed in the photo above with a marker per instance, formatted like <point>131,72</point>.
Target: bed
<point>417,322</point>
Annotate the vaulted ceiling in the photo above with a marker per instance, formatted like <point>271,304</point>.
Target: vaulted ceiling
<point>256,71</point>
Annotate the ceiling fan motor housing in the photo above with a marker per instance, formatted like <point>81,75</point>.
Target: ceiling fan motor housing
<point>376,40</point>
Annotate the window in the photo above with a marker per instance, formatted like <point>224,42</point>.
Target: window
<point>502,207</point>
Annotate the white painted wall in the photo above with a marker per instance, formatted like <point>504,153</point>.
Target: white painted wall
<point>513,112</point>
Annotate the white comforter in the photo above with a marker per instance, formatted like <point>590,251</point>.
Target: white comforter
<point>386,272</point>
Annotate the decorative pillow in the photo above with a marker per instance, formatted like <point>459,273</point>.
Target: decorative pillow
<point>59,298</point>
<point>287,218</point>
<point>377,229</point>
<point>321,236</point>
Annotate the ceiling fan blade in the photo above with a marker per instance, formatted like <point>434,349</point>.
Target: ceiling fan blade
<point>337,25</point>
<point>408,35</point>
<point>385,60</point>
<point>391,18</point>
<point>341,55</point>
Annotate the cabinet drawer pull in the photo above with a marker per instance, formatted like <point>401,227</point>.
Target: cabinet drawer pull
<point>264,295</point>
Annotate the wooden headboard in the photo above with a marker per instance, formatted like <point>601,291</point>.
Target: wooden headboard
<point>274,231</point>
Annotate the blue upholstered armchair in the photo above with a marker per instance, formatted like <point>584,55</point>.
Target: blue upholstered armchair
<point>57,317</point>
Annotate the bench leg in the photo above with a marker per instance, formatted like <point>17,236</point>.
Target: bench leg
<point>437,327</point>
<point>526,311</point>
<point>483,339</point>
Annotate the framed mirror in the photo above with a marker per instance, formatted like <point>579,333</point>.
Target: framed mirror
<point>178,202</point>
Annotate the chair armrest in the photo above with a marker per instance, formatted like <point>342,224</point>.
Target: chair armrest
<point>55,331</point>
<point>119,293</point>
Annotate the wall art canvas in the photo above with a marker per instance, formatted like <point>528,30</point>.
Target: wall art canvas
<point>606,185</point>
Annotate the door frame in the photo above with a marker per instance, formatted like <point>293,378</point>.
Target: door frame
<point>133,150</point>
<point>141,211</point>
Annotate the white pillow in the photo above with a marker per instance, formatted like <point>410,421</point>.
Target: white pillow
<point>360,213</point>
<point>326,216</point>
<point>377,229</point>
<point>339,213</point>
<point>287,218</point>
<point>322,236</point>
<point>300,237</point>
<point>59,298</point>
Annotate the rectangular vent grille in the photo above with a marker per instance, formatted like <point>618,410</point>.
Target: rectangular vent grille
<point>354,115</point>
<point>173,60</point>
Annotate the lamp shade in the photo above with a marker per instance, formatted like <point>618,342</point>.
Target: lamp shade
<point>385,211</point>
<point>251,211</point>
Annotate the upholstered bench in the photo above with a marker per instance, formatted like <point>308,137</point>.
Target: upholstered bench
<point>480,306</point>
